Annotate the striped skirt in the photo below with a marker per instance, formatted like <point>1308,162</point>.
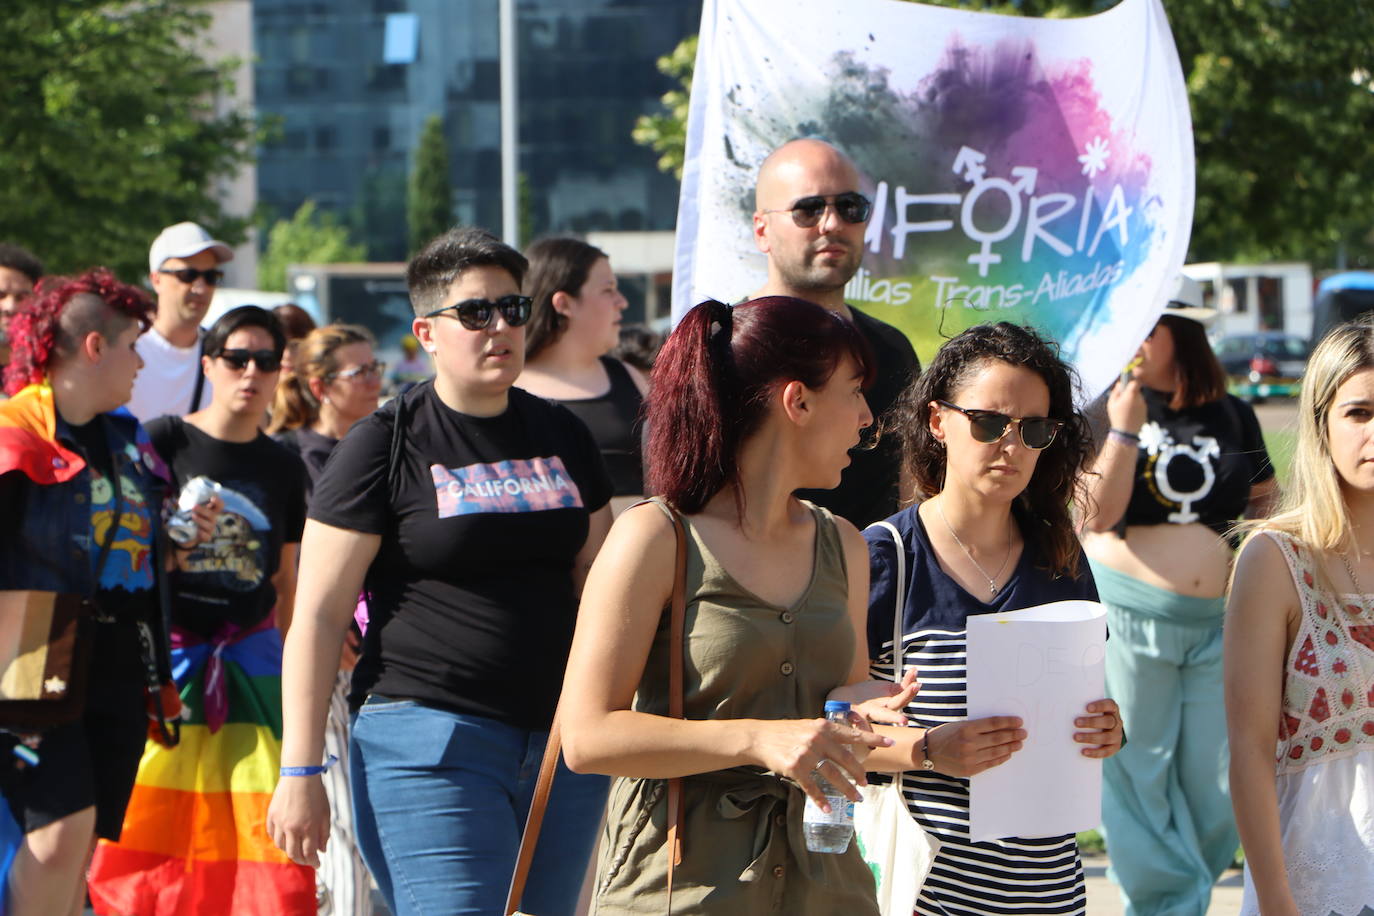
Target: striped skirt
<point>195,835</point>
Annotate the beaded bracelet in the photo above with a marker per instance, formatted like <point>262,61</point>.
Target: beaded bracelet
<point>310,771</point>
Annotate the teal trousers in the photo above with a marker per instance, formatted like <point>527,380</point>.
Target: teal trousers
<point>1166,806</point>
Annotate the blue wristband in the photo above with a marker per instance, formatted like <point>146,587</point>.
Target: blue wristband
<point>309,771</point>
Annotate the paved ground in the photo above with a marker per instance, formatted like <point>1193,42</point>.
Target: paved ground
<point>1105,900</point>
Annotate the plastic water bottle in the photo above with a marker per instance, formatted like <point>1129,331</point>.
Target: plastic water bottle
<point>830,832</point>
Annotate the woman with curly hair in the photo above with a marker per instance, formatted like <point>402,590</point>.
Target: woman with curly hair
<point>80,494</point>
<point>994,446</point>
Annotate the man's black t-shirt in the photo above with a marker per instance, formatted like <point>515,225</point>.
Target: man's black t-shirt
<point>472,600</point>
<point>1196,464</point>
<point>229,578</point>
<point>869,487</point>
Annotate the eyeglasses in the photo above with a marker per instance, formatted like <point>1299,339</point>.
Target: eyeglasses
<point>189,275</point>
<point>476,314</point>
<point>988,426</point>
<point>265,360</point>
<point>851,206</point>
<point>373,369</point>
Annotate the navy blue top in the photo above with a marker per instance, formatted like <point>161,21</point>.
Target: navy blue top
<point>1009,875</point>
<point>935,600</point>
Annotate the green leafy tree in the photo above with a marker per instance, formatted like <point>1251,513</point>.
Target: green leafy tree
<point>308,237</point>
<point>111,129</point>
<point>429,199</point>
<point>1282,97</point>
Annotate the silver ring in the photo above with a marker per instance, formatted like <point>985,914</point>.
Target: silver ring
<point>816,770</point>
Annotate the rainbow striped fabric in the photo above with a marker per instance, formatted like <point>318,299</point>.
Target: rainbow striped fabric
<point>195,835</point>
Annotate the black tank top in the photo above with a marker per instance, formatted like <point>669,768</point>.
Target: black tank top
<point>614,421</point>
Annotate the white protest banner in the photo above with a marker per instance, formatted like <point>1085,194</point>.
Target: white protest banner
<point>1044,664</point>
<point>1031,170</point>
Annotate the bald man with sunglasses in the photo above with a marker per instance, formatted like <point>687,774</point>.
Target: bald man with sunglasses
<point>810,219</point>
<point>184,270</point>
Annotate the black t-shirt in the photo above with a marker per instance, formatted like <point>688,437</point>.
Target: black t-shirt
<point>1196,464</point>
<point>472,600</point>
<point>869,486</point>
<point>229,578</point>
<point>313,448</point>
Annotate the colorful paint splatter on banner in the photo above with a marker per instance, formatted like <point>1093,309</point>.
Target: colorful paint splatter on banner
<point>1038,171</point>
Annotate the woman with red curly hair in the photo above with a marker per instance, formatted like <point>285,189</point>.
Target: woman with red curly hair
<point>80,490</point>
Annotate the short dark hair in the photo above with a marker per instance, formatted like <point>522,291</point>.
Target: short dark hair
<point>295,321</point>
<point>558,265</point>
<point>1056,479</point>
<point>22,260</point>
<point>1201,379</point>
<point>431,272</point>
<point>245,316</point>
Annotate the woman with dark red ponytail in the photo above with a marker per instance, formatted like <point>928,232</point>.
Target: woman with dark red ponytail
<point>746,405</point>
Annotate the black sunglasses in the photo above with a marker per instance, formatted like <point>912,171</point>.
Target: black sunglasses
<point>189,275</point>
<point>476,314</point>
<point>852,207</point>
<point>989,426</point>
<point>265,360</point>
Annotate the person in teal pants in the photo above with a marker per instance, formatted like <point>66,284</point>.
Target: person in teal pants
<point>1182,461</point>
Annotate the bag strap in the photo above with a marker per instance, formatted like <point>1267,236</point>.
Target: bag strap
<point>898,650</point>
<point>530,838</point>
<point>200,373</point>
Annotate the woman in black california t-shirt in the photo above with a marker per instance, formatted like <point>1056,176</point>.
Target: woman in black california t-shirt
<point>474,509</point>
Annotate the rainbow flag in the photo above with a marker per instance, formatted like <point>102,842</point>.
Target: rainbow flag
<point>195,835</point>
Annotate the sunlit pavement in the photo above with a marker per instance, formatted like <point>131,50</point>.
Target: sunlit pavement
<point>1105,900</point>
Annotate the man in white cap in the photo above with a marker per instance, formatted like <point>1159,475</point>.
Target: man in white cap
<point>183,268</point>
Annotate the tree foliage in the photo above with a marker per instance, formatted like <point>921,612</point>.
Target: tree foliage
<point>111,129</point>
<point>429,199</point>
<point>1282,97</point>
<point>308,237</point>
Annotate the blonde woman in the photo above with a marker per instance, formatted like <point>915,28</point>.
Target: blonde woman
<point>1299,656</point>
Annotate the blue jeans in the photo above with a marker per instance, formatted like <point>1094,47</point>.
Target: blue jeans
<point>440,801</point>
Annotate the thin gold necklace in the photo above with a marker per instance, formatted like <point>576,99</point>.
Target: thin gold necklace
<point>1350,571</point>
<point>992,580</point>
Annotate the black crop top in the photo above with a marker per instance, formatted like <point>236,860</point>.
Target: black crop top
<point>614,421</point>
<point>1196,464</point>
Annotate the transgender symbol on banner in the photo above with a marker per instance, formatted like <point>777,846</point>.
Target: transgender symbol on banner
<point>1030,170</point>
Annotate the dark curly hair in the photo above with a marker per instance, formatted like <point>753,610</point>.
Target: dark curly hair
<point>60,316</point>
<point>1054,485</point>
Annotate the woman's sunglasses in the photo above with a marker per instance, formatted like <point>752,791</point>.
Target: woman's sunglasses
<point>476,314</point>
<point>238,360</point>
<point>851,206</point>
<point>372,370</point>
<point>988,426</point>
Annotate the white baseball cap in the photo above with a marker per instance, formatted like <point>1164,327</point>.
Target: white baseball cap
<point>1186,302</point>
<point>185,240</point>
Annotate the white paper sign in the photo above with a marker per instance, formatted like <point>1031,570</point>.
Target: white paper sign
<point>1044,664</point>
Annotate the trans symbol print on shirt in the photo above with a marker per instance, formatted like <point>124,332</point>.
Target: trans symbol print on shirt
<point>520,485</point>
<point>235,559</point>
<point>1179,473</point>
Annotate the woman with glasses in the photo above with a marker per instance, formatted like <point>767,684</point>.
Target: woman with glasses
<point>335,383</point>
<point>1182,461</point>
<point>193,838</point>
<point>470,511</point>
<point>576,323</point>
<point>994,446</point>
